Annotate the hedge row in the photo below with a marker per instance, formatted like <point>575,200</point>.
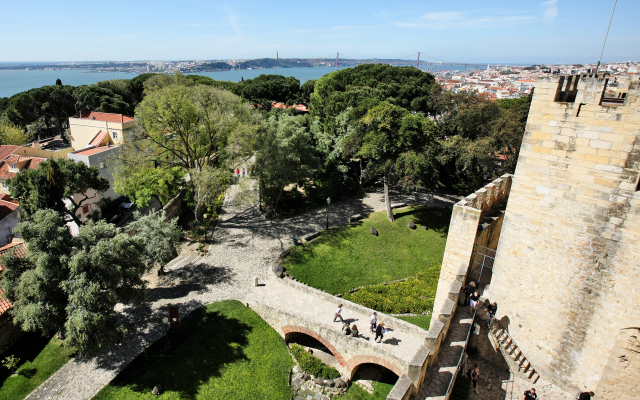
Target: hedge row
<point>311,364</point>
<point>415,295</point>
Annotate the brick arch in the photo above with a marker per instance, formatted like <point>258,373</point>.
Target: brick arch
<point>288,329</point>
<point>355,361</point>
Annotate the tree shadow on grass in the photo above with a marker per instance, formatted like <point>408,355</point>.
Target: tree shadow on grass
<point>205,343</point>
<point>26,349</point>
<point>434,218</point>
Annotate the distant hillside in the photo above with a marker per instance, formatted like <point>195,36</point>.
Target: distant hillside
<point>215,66</point>
<point>271,63</point>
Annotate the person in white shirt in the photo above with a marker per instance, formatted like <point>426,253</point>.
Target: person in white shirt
<point>374,320</point>
<point>338,314</point>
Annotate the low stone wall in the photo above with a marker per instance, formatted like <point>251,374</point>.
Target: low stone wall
<point>9,333</point>
<point>173,208</point>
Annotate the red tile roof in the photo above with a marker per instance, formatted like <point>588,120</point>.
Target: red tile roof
<point>93,150</point>
<point>20,250</point>
<point>6,151</point>
<point>109,117</point>
<point>7,207</point>
<point>98,138</point>
<point>31,163</point>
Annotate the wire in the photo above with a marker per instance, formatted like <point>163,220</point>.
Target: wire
<point>605,36</point>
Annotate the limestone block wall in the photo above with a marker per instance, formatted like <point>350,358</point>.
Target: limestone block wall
<point>463,230</point>
<point>567,269</point>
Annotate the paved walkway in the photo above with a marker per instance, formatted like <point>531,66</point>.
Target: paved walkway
<point>244,246</point>
<point>438,377</point>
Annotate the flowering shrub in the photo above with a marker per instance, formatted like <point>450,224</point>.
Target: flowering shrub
<point>415,295</point>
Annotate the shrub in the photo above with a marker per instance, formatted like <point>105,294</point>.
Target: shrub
<point>11,362</point>
<point>311,364</point>
<point>415,295</point>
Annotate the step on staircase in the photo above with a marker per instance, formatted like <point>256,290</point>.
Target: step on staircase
<point>518,363</point>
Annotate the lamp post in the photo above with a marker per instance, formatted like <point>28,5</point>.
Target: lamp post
<point>328,202</point>
<point>165,322</point>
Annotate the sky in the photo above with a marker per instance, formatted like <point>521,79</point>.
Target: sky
<point>471,31</point>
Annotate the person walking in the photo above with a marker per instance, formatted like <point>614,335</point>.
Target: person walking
<point>380,331</point>
<point>243,172</point>
<point>491,312</point>
<point>374,320</point>
<point>354,331</point>
<point>586,395</point>
<point>473,302</point>
<point>468,291</point>
<point>338,314</point>
<point>238,172</point>
<point>530,394</point>
<point>474,374</point>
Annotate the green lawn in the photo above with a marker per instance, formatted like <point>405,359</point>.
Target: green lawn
<point>224,351</point>
<point>355,392</point>
<point>422,321</point>
<point>40,358</point>
<point>349,256</point>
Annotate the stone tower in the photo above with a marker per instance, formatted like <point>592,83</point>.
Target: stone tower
<point>567,269</point>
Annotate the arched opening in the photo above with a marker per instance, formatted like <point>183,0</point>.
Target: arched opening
<point>374,378</point>
<point>314,346</point>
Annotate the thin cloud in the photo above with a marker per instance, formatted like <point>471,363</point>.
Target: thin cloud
<point>233,20</point>
<point>550,10</point>
<point>449,20</point>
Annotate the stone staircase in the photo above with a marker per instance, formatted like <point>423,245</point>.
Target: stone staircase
<point>513,355</point>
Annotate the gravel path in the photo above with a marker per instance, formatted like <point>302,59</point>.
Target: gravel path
<point>243,247</point>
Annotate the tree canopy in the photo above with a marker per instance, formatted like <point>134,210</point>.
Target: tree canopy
<point>268,88</point>
<point>55,182</point>
<point>71,285</point>
<point>142,185</point>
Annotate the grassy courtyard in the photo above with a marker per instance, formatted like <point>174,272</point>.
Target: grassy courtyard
<point>39,359</point>
<point>349,256</point>
<point>224,351</point>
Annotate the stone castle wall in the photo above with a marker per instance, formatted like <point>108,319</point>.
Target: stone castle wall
<point>567,269</point>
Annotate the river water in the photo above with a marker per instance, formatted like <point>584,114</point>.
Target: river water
<point>16,81</point>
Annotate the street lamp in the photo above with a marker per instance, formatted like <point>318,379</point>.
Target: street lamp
<point>328,202</point>
<point>165,322</point>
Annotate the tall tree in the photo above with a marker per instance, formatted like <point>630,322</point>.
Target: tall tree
<point>396,143</point>
<point>55,182</point>
<point>267,88</point>
<point>160,237</point>
<point>285,155</point>
<point>97,98</point>
<point>208,183</point>
<point>142,185</point>
<point>72,285</point>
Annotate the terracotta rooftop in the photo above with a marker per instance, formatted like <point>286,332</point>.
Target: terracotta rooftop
<point>98,138</point>
<point>20,250</point>
<point>6,151</point>
<point>109,117</point>
<point>31,163</point>
<point>93,150</point>
<point>7,207</point>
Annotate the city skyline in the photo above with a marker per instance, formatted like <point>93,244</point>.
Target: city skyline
<point>551,31</point>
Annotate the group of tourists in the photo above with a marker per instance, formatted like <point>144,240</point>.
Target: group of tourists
<point>245,170</point>
<point>531,395</point>
<point>472,298</point>
<point>375,327</point>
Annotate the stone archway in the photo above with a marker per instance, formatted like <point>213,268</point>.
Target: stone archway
<point>355,361</point>
<point>290,329</point>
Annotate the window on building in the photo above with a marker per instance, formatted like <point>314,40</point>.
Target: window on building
<point>85,209</point>
<point>12,165</point>
<point>114,134</point>
<point>4,185</point>
<point>102,165</point>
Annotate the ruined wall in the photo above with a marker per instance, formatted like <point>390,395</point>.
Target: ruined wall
<point>567,269</point>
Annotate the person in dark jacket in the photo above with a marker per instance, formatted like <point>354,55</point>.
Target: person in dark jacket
<point>491,312</point>
<point>473,302</point>
<point>468,291</point>
<point>379,332</point>
<point>586,395</point>
<point>530,394</point>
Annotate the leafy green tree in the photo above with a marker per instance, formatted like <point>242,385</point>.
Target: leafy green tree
<point>11,134</point>
<point>267,88</point>
<point>72,285</point>
<point>208,184</point>
<point>396,143</point>
<point>51,104</point>
<point>58,82</point>
<point>285,156</point>
<point>160,237</point>
<point>305,91</point>
<point>97,98</point>
<point>348,87</point>
<point>55,182</point>
<point>145,184</point>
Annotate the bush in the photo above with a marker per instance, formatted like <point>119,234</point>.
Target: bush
<point>415,295</point>
<point>311,364</point>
